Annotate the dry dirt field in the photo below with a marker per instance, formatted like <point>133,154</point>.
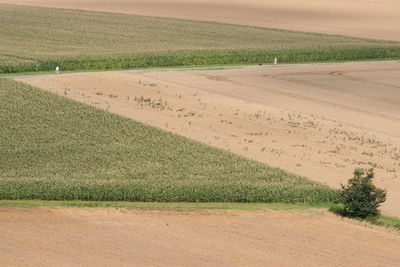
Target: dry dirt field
<point>376,19</point>
<point>320,121</point>
<point>134,237</point>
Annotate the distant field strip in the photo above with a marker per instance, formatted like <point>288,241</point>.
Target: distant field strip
<point>52,148</point>
<point>38,39</point>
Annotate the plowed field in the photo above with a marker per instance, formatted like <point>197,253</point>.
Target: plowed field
<point>126,237</point>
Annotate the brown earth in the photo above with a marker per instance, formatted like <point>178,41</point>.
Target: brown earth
<point>376,19</point>
<point>134,237</point>
<point>321,121</point>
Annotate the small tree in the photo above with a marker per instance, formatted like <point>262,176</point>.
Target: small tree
<point>360,197</point>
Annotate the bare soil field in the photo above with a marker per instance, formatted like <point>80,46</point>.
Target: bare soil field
<point>376,19</point>
<point>320,121</point>
<point>127,237</point>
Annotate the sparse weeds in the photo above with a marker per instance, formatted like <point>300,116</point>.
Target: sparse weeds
<point>369,154</point>
<point>190,114</point>
<point>146,101</point>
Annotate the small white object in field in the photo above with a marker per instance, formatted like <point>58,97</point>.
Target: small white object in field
<point>57,70</point>
<point>276,61</point>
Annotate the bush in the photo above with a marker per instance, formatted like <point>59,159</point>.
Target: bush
<point>360,197</point>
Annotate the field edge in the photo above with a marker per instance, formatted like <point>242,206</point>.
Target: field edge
<point>384,221</point>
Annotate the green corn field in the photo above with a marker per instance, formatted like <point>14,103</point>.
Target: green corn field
<point>38,39</point>
<point>52,148</point>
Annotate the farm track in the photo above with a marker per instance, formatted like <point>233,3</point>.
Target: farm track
<point>374,19</point>
<point>135,237</point>
<point>222,67</point>
<point>320,121</point>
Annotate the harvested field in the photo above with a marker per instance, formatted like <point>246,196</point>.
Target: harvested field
<point>320,121</point>
<point>108,236</point>
<point>377,19</point>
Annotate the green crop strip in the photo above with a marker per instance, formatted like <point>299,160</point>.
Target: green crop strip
<point>38,39</point>
<point>52,148</point>
<point>170,205</point>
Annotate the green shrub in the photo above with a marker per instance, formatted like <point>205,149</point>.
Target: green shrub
<point>360,197</point>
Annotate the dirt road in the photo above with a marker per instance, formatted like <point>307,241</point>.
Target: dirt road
<point>125,237</point>
<point>320,121</point>
<point>376,19</point>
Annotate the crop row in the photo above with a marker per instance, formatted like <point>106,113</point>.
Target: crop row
<point>90,190</point>
<point>201,57</point>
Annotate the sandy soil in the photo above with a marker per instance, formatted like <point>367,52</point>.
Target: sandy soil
<point>377,19</point>
<point>124,237</point>
<point>320,121</point>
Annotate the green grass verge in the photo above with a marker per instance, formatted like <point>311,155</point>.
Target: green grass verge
<point>158,205</point>
<point>37,39</point>
<point>380,220</point>
<point>52,148</point>
<point>388,222</point>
